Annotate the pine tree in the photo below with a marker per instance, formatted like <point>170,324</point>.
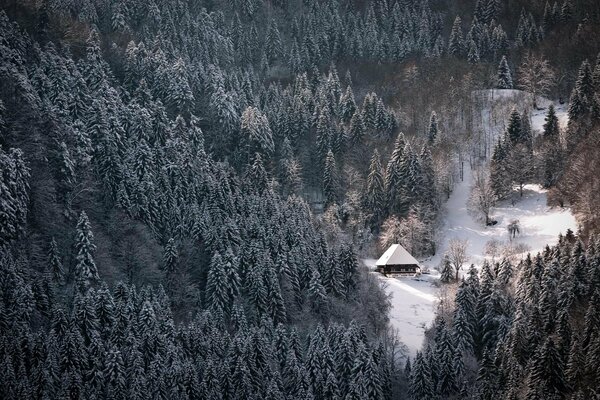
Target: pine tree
<point>514,131</point>
<point>330,180</point>
<point>433,128</point>
<point>55,266</point>
<point>375,192</point>
<point>170,258</point>
<point>257,134</point>
<point>324,136</point>
<point>256,174</point>
<point>14,195</point>
<point>582,94</point>
<point>456,46</point>
<point>420,387</point>
<point>566,11</point>
<point>547,369</point>
<point>317,294</point>
<point>394,179</point>
<point>347,105</point>
<point>447,271</point>
<point>86,272</point>
<point>473,52</point>
<point>504,76</point>
<point>356,131</point>
<point>273,43</point>
<point>552,150</point>
<point>551,127</point>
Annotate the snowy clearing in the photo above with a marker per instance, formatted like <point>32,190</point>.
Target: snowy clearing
<point>540,224</point>
<point>413,301</point>
<point>413,307</point>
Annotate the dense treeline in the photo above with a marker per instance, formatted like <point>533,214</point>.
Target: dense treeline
<point>160,162</point>
<point>101,185</point>
<point>526,331</point>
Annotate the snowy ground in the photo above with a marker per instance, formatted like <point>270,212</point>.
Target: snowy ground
<point>492,108</point>
<point>413,306</point>
<point>538,116</point>
<point>414,301</point>
<point>540,224</point>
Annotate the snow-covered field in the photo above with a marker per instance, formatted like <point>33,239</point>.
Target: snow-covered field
<point>413,307</point>
<point>540,224</point>
<point>413,301</point>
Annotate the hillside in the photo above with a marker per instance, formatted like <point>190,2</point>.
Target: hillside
<point>187,188</point>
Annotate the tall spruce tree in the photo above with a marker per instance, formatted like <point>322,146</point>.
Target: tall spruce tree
<point>504,76</point>
<point>375,191</point>
<point>86,272</point>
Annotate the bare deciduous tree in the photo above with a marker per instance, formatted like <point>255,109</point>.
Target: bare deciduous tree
<point>411,232</point>
<point>512,250</point>
<point>457,253</point>
<point>390,232</point>
<point>492,249</point>
<point>536,76</point>
<point>482,197</point>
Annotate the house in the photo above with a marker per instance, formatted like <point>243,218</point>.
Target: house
<point>396,260</point>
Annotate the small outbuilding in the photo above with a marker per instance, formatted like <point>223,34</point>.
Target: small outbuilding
<point>396,260</point>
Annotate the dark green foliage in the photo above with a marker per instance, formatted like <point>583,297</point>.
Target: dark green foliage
<point>504,77</point>
<point>171,281</point>
<point>532,341</point>
<point>447,271</point>
<point>375,190</point>
<point>85,269</point>
<point>330,179</point>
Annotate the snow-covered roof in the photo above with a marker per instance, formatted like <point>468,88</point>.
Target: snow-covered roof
<point>396,255</point>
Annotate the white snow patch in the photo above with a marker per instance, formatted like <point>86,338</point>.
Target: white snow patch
<point>413,306</point>
<point>538,116</point>
<point>540,224</point>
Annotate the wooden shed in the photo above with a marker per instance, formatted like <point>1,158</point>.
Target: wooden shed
<point>396,260</point>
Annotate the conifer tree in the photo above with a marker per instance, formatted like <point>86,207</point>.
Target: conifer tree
<point>330,180</point>
<point>375,193</point>
<point>273,43</point>
<point>473,52</point>
<point>316,293</point>
<point>347,105</point>
<point>86,272</point>
<point>551,127</point>
<point>514,130</point>
<point>55,266</point>
<point>456,46</point>
<point>356,131</point>
<point>582,95</point>
<point>433,128</point>
<point>394,183</point>
<point>447,271</point>
<point>504,76</point>
<point>420,379</point>
<point>217,290</point>
<point>257,134</point>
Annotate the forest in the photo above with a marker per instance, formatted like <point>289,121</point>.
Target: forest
<point>188,189</point>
